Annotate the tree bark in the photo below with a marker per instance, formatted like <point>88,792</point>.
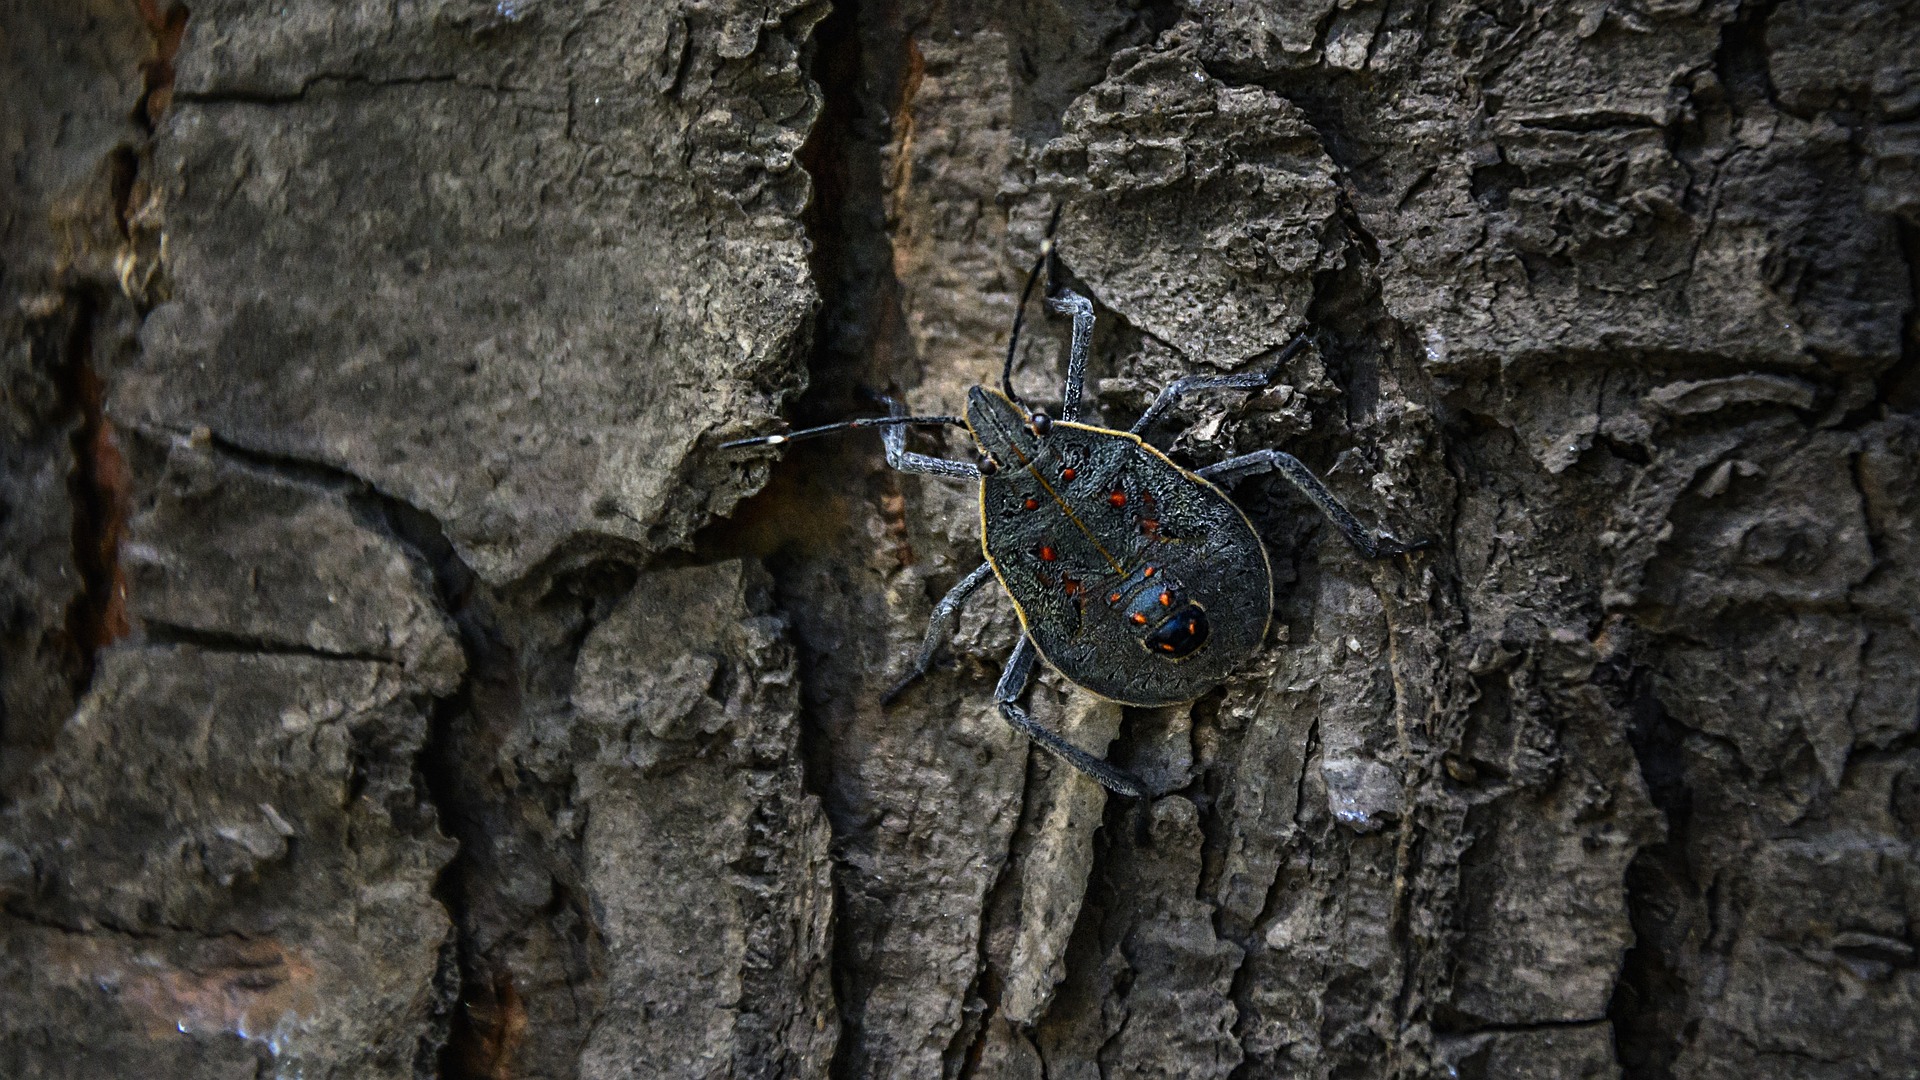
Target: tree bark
<point>397,680</point>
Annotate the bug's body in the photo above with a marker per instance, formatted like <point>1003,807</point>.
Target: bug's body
<point>1135,578</point>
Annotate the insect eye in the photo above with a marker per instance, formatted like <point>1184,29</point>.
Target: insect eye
<point>988,466</point>
<point>1042,423</point>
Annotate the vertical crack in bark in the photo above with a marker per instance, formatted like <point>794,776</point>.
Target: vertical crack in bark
<point>99,485</point>
<point>168,25</point>
<point>99,482</point>
<point>481,1018</point>
<point>1241,989</point>
<point>1347,304</point>
<point>1743,61</point>
<point>1648,1008</point>
<point>1211,748</point>
<point>805,520</point>
<point>1900,386</point>
<point>999,908</point>
<point>477,1018</point>
<point>497,820</point>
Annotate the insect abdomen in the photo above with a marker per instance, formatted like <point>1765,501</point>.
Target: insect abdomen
<point>1157,588</point>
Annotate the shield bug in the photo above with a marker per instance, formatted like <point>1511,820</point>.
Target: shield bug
<point>1135,579</point>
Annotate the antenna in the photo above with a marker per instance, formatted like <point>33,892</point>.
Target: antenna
<point>1045,261</point>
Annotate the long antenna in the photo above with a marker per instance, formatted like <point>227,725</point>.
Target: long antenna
<point>1044,262</point>
<point>844,425</point>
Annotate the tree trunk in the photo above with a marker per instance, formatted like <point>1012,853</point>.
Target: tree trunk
<point>396,679</point>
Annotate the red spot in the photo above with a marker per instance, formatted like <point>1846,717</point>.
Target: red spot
<point>1148,572</point>
<point>1033,504</point>
<point>1166,599</point>
<point>1139,619</point>
<point>1047,554</point>
<point>1114,599</point>
<point>1166,646</point>
<point>1068,474</point>
<point>1118,498</point>
<point>1190,627</point>
<point>1072,586</point>
<point>1151,525</point>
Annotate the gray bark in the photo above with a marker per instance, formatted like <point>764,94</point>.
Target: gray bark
<point>397,681</point>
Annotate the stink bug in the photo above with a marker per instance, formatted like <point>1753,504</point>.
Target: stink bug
<point>1136,579</point>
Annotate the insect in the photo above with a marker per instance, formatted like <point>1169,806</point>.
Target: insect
<point>1135,579</point>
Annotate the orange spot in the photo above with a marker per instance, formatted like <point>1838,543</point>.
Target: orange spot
<point>1068,474</point>
<point>1150,525</point>
<point>1139,619</point>
<point>1166,599</point>
<point>1047,554</point>
<point>1114,599</point>
<point>1033,504</point>
<point>1190,627</point>
<point>1166,646</point>
<point>1072,586</point>
<point>1118,498</point>
<point>1148,572</point>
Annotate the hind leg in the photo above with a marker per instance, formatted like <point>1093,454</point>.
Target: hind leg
<point>1364,540</point>
<point>1251,380</point>
<point>1013,681</point>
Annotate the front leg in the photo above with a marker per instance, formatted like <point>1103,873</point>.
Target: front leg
<point>1007,695</point>
<point>905,460</point>
<point>945,614</point>
<point>1371,544</point>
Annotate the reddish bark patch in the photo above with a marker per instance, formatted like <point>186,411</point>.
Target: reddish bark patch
<point>101,488</point>
<point>167,25</point>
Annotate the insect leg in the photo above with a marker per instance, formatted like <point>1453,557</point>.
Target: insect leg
<point>905,460</point>
<point>945,613</point>
<point>1007,695</point>
<point>1371,544</point>
<point>1251,380</point>
<point>1068,302</point>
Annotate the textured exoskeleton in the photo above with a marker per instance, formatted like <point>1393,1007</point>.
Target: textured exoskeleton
<point>1134,578</point>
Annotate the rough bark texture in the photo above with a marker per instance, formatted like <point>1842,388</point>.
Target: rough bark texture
<point>396,681</point>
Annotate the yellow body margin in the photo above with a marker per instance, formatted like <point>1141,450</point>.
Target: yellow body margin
<point>1020,612</point>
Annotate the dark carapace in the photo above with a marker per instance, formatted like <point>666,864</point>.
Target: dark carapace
<point>1134,578</point>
